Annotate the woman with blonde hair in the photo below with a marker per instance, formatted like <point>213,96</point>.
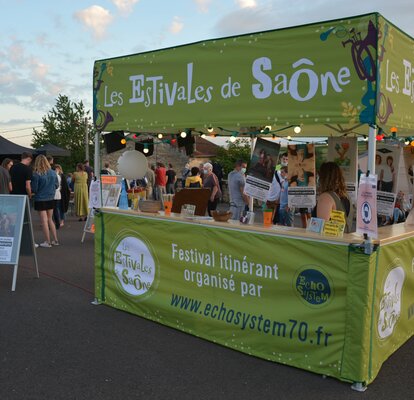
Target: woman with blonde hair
<point>44,184</point>
<point>80,180</point>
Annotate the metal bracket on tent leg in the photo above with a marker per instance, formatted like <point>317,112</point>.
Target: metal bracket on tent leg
<point>96,302</point>
<point>359,387</point>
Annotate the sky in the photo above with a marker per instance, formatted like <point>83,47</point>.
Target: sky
<point>48,47</point>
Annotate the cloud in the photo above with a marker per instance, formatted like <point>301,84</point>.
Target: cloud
<point>176,26</point>
<point>96,19</point>
<point>203,5</point>
<point>246,3</point>
<point>125,7</point>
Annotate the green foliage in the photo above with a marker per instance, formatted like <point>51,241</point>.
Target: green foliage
<point>65,126</point>
<point>239,150</point>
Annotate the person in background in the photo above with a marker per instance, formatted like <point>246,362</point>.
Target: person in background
<point>57,194</point>
<point>185,173</point>
<point>63,204</point>
<point>171,179</point>
<point>218,171</point>
<point>194,181</point>
<point>283,161</point>
<point>150,175</point>
<point>69,181</point>
<point>201,169</point>
<point>5,179</point>
<point>21,175</point>
<point>236,183</point>
<point>108,170</point>
<point>89,170</point>
<point>211,182</point>
<point>44,184</point>
<point>332,193</point>
<point>80,181</point>
<point>273,197</point>
<point>160,181</point>
<point>285,213</point>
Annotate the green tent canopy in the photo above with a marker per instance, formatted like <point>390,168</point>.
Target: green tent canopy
<point>331,78</point>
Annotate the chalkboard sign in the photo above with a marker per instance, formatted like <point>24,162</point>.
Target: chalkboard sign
<point>16,232</point>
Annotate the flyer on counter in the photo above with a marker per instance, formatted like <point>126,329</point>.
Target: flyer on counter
<point>262,169</point>
<point>301,176</point>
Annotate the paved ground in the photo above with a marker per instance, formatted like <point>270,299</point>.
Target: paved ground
<point>55,345</point>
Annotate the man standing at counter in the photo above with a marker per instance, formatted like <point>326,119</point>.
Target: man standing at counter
<point>236,182</point>
<point>211,182</point>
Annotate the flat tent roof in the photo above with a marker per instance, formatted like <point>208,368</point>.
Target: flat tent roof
<point>331,77</point>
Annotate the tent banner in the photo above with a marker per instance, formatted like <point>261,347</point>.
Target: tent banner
<point>272,297</point>
<point>316,74</point>
<point>393,317</point>
<point>396,78</point>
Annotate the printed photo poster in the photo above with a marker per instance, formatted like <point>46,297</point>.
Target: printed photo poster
<point>343,151</point>
<point>262,168</point>
<point>95,194</point>
<point>366,220</point>
<point>301,176</point>
<point>387,161</point>
<point>11,218</point>
<point>111,189</point>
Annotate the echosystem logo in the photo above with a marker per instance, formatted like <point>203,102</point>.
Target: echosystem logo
<point>134,266</point>
<point>312,286</point>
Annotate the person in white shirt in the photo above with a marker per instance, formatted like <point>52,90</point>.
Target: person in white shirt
<point>273,197</point>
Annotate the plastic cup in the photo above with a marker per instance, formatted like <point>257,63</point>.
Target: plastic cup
<point>167,207</point>
<point>267,218</point>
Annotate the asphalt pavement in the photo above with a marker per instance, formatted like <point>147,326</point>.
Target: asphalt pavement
<point>54,344</point>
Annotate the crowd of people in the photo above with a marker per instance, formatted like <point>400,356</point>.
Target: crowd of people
<point>49,190</point>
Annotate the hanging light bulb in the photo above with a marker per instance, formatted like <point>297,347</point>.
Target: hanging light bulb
<point>146,150</point>
<point>407,141</point>
<point>183,134</point>
<point>203,135</point>
<point>297,129</point>
<point>160,136</point>
<point>289,137</point>
<point>365,138</point>
<point>210,129</point>
<point>123,141</point>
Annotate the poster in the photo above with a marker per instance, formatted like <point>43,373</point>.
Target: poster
<point>262,168</point>
<point>95,200</point>
<point>111,189</point>
<point>12,212</point>
<point>367,206</point>
<point>301,176</point>
<point>343,151</point>
<point>387,161</point>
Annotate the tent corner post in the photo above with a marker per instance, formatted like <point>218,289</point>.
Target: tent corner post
<point>372,148</point>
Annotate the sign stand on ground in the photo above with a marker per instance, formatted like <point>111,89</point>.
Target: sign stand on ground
<point>16,232</point>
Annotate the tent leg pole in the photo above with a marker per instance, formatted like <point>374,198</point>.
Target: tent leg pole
<point>359,387</point>
<point>372,148</point>
<point>252,144</point>
<point>97,160</point>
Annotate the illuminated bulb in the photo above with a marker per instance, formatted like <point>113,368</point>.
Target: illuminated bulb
<point>412,143</point>
<point>203,135</point>
<point>406,142</point>
<point>183,134</point>
<point>146,150</point>
<point>268,128</point>
<point>210,129</point>
<point>394,129</point>
<point>232,139</point>
<point>123,141</point>
<point>159,136</point>
<point>297,129</point>
<point>289,137</point>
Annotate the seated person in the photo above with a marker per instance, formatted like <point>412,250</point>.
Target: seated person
<point>194,181</point>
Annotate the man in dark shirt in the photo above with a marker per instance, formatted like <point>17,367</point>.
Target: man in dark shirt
<point>21,176</point>
<point>5,182</point>
<point>171,178</point>
<point>89,171</point>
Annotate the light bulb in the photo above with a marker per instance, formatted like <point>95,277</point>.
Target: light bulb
<point>297,129</point>
<point>233,139</point>
<point>210,129</point>
<point>146,150</point>
<point>123,141</point>
<point>203,135</point>
<point>183,134</point>
<point>289,137</point>
<point>159,136</point>
<point>268,128</point>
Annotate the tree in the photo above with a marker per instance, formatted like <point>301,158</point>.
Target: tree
<point>238,150</point>
<point>65,126</point>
